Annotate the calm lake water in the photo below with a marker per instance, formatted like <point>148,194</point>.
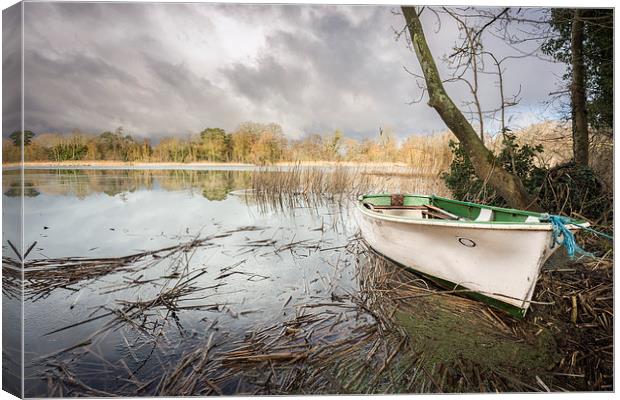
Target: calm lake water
<point>256,267</point>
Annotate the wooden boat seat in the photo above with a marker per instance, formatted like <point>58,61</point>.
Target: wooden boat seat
<point>395,207</point>
<point>438,213</point>
<point>427,211</point>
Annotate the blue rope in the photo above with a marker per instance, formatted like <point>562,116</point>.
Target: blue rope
<point>558,223</point>
<point>598,233</point>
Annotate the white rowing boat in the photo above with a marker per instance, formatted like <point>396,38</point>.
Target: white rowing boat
<point>489,253</point>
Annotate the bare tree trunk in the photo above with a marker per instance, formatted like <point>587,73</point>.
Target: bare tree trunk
<point>578,93</point>
<point>506,184</point>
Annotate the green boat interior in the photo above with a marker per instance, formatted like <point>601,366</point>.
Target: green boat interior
<point>435,207</point>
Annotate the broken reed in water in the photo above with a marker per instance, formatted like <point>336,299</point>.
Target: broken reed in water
<point>43,276</point>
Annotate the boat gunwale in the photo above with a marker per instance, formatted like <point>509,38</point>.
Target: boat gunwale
<point>498,225</point>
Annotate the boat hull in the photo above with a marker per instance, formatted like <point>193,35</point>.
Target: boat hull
<point>497,264</point>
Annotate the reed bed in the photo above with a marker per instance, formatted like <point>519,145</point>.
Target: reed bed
<point>287,188</point>
<point>581,319</point>
<point>309,183</point>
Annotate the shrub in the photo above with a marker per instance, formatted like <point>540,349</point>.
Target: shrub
<point>576,190</point>
<point>566,189</point>
<point>467,186</point>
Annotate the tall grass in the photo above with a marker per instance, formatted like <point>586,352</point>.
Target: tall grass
<point>290,187</point>
<point>428,155</point>
<point>299,185</point>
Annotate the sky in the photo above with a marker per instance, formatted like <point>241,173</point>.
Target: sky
<point>174,69</point>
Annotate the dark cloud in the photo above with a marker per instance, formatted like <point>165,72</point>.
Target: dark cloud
<point>163,69</point>
<point>268,80</point>
<point>11,69</point>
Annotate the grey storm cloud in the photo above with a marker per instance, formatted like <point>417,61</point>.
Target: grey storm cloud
<point>11,69</point>
<point>268,80</point>
<point>174,69</point>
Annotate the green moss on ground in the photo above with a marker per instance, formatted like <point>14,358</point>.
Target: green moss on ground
<point>445,336</point>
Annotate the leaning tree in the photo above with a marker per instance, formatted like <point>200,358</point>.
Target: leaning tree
<point>508,185</point>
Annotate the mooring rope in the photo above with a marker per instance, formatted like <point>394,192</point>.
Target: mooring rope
<point>558,224</point>
<point>598,233</point>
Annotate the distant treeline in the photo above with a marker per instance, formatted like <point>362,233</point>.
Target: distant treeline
<point>251,142</point>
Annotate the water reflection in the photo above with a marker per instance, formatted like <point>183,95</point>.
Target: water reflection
<point>15,189</point>
<point>213,185</point>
